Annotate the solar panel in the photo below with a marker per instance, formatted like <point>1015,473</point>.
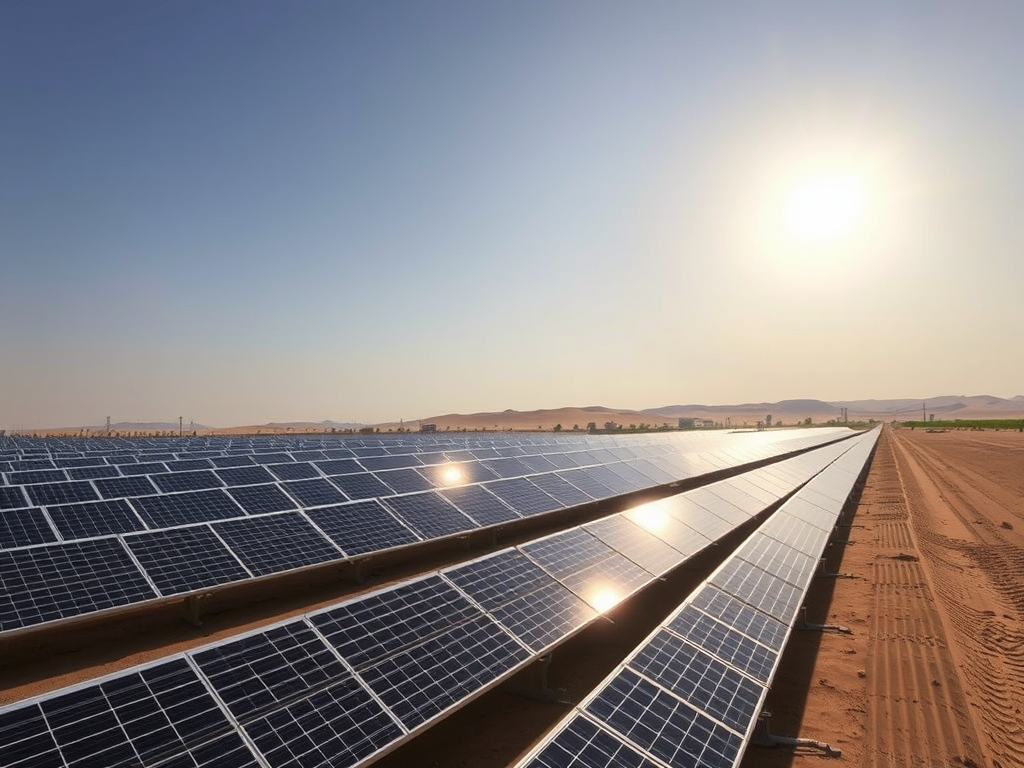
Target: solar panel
<point>606,477</point>
<point>261,499</point>
<point>703,681</point>
<point>250,475</point>
<point>177,509</point>
<point>457,473</point>
<point>545,616</point>
<point>538,464</point>
<point>404,480</point>
<point>429,514</point>
<point>376,626</point>
<point>58,581</point>
<point>508,467</point>
<point>374,463</point>
<point>314,493</point>
<point>523,496</point>
<point>12,498</point>
<point>759,588</point>
<point>92,473</point>
<point>582,744</point>
<point>143,468</point>
<point>121,487</point>
<point>264,670</point>
<point>496,579</point>
<point>332,728</point>
<point>564,492</point>
<point>481,505</point>
<point>724,642</point>
<point>232,461</point>
<point>425,679</point>
<point>737,614</point>
<point>274,543</point>
<point>61,493</point>
<point>566,553</point>
<point>298,470</point>
<point>361,527</point>
<point>778,559</point>
<point>339,466</point>
<point>362,485</point>
<point>663,725</point>
<point>185,559</point>
<point>94,518</point>
<point>635,479</point>
<point>643,548</point>
<point>271,458</point>
<point>655,518</point>
<point>186,465</point>
<point>186,481</point>
<point>587,482</point>
<point>136,719</point>
<point>37,476</point>
<point>24,527</point>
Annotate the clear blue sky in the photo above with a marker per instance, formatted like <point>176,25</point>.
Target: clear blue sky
<point>251,211</point>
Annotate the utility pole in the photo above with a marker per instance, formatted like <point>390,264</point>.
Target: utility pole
<point>179,426</point>
<point>108,426</point>
<point>923,416</point>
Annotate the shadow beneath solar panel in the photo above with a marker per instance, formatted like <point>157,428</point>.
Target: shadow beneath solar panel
<point>787,699</point>
<point>500,726</point>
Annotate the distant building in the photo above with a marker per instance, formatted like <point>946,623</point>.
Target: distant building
<point>768,420</point>
<point>687,423</point>
<point>707,422</point>
<point>428,427</point>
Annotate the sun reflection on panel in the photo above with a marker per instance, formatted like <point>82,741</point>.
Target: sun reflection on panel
<point>604,598</point>
<point>649,516</point>
<point>452,474</point>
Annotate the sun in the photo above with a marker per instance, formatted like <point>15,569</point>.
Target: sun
<point>824,208</point>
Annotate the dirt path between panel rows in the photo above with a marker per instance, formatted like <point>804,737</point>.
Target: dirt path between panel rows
<point>933,674</point>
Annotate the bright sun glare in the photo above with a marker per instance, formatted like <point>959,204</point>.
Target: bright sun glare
<point>824,208</point>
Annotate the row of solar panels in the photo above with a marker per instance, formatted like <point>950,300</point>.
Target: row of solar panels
<point>345,684</point>
<point>54,453</point>
<point>206,543</point>
<point>50,511</point>
<point>690,694</point>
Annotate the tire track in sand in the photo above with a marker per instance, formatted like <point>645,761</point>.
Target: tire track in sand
<point>917,715</point>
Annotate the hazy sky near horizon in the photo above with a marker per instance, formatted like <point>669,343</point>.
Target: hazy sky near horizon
<point>244,211</point>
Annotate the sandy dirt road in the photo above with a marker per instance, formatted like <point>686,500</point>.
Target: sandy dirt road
<point>933,673</point>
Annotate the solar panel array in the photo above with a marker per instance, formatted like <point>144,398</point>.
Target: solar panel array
<point>690,694</point>
<point>344,684</point>
<point>82,532</point>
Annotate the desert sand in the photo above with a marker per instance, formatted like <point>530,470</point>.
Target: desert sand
<point>932,559</point>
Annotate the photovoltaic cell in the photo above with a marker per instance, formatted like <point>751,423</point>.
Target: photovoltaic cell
<point>261,499</point>
<point>700,679</point>
<point>227,751</point>
<point>333,728</point>
<point>424,680</point>
<point>185,559</point>
<point>582,744</point>
<point>94,518</point>
<point>24,527</point>
<point>176,509</point>
<point>265,670</point>
<point>361,527</point>
<point>429,514</point>
<point>480,504</point>
<point>57,581</point>
<point>661,724</point>
<point>273,543</point>
<point>370,628</point>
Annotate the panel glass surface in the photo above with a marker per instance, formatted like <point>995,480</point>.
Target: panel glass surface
<point>24,527</point>
<point>273,543</point>
<point>261,499</point>
<point>429,514</point>
<point>480,504</point>
<point>184,559</point>
<point>361,527</point>
<point>177,509</point>
<point>582,744</point>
